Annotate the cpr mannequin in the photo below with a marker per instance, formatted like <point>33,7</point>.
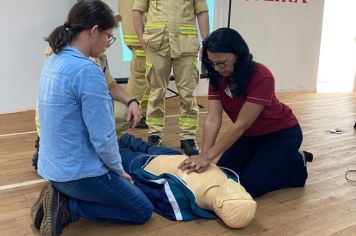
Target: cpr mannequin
<point>213,190</point>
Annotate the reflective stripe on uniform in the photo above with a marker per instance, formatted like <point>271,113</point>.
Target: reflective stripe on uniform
<point>154,26</point>
<point>145,97</point>
<point>140,52</point>
<point>148,65</point>
<point>188,122</point>
<point>158,121</point>
<point>130,38</point>
<point>186,29</point>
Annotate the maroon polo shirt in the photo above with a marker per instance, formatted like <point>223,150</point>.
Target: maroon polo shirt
<point>274,116</point>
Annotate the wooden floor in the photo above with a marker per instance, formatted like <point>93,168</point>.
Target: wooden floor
<point>325,206</point>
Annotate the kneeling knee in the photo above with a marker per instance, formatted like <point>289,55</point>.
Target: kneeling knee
<point>255,189</point>
<point>145,214</point>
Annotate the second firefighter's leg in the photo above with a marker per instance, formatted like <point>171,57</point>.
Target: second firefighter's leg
<point>186,75</point>
<point>158,69</point>
<point>137,83</point>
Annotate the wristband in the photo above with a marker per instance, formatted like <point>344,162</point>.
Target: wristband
<point>131,101</point>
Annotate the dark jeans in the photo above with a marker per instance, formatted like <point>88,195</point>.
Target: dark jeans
<point>106,198</point>
<point>268,162</point>
<point>110,197</point>
<point>135,153</point>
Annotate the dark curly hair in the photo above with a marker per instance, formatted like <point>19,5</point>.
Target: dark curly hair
<point>82,16</point>
<point>226,40</point>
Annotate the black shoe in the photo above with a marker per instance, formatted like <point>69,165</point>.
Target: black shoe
<point>37,208</point>
<point>154,140</point>
<point>142,124</point>
<point>56,213</point>
<point>308,156</point>
<point>189,146</point>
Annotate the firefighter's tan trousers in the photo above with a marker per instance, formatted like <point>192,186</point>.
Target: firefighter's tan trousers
<point>186,76</point>
<point>137,84</point>
<point>136,87</point>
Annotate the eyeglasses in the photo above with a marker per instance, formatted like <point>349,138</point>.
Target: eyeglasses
<point>111,38</point>
<point>220,65</point>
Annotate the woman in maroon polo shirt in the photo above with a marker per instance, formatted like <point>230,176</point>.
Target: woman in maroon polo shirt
<point>262,145</point>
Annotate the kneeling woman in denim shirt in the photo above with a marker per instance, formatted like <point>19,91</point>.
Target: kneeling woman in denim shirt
<point>79,154</point>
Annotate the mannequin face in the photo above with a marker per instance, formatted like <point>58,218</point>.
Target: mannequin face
<point>234,205</point>
<point>223,63</point>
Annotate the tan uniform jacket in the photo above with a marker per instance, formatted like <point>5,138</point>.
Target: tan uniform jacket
<point>171,25</point>
<point>128,29</point>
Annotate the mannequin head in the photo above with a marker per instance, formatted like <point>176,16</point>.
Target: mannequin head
<point>234,205</point>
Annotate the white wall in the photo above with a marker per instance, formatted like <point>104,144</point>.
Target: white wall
<point>23,25</point>
<point>284,36</point>
<point>337,66</point>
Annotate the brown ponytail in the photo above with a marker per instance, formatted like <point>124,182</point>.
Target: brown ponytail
<point>83,15</point>
<point>60,37</point>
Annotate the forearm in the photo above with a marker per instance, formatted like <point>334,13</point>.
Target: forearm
<point>225,141</point>
<point>211,130</point>
<point>138,24</point>
<point>248,114</point>
<point>118,93</point>
<point>108,151</point>
<point>203,22</point>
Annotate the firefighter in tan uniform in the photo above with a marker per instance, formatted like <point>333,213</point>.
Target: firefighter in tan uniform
<point>137,84</point>
<point>170,39</point>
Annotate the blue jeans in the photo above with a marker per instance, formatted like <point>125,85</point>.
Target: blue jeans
<point>268,162</point>
<point>135,153</point>
<point>106,198</point>
<point>110,197</point>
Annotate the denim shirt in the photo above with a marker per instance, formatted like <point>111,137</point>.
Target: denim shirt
<point>78,137</point>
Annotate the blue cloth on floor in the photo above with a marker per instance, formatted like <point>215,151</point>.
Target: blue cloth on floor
<point>168,193</point>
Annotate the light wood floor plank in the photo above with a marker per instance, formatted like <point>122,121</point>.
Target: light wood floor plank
<point>325,206</point>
